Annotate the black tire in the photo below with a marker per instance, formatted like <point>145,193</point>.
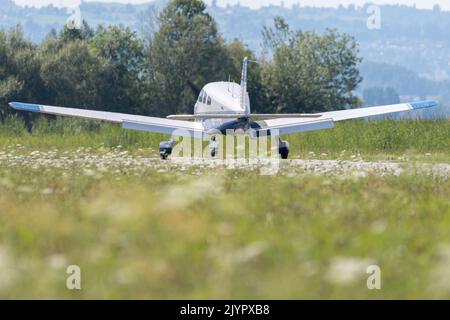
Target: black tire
<point>165,149</point>
<point>284,149</point>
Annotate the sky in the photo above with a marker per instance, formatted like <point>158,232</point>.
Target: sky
<point>427,4</point>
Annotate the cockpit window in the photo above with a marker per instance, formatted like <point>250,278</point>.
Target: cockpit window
<point>204,97</point>
<point>200,97</point>
<point>209,101</point>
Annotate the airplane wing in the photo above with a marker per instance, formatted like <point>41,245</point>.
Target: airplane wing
<point>285,125</point>
<point>132,122</point>
<point>326,119</point>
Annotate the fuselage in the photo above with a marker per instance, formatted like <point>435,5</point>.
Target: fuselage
<point>221,98</point>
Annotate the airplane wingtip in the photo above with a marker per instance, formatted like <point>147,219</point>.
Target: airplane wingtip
<point>424,104</point>
<point>24,106</point>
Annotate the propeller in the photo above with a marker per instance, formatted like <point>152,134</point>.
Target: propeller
<point>196,90</point>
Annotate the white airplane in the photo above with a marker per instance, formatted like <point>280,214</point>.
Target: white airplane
<point>221,108</point>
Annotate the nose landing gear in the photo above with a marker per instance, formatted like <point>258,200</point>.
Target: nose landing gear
<point>214,147</point>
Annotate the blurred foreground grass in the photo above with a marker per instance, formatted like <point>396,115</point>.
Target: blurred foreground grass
<point>225,234</point>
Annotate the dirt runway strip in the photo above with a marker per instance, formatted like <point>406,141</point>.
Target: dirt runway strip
<point>124,162</point>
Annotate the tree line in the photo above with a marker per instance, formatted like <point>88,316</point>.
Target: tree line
<point>114,69</point>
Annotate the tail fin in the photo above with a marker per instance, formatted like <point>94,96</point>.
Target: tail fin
<point>243,97</point>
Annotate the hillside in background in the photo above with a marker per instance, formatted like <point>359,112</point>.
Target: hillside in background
<point>410,53</point>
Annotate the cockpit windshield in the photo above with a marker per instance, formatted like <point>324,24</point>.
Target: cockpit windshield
<point>200,97</point>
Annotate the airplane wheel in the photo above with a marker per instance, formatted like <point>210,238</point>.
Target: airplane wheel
<point>284,149</point>
<point>284,155</point>
<point>214,147</point>
<point>165,149</point>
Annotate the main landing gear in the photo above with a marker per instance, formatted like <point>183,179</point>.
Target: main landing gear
<point>283,149</point>
<point>165,149</point>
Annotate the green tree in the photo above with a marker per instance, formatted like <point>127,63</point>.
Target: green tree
<point>186,49</point>
<point>124,51</point>
<point>311,72</point>
<point>76,76</point>
<point>70,34</point>
<point>19,70</point>
<point>280,35</point>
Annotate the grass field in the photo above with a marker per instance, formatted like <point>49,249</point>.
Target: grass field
<point>421,140</point>
<point>192,232</point>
